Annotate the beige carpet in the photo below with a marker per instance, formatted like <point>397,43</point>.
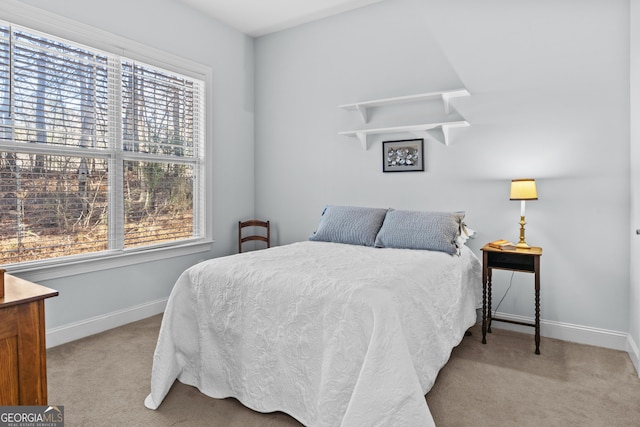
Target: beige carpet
<point>102,381</point>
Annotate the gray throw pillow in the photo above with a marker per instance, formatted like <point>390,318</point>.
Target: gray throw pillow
<point>436,231</point>
<point>349,224</point>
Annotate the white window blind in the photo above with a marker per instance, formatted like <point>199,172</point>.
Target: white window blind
<point>99,153</point>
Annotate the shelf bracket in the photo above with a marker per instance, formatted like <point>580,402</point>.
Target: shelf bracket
<point>362,137</point>
<point>445,101</point>
<point>441,134</point>
<point>438,135</point>
<point>363,112</point>
<point>446,97</point>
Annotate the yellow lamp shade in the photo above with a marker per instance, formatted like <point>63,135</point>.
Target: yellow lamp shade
<point>523,189</point>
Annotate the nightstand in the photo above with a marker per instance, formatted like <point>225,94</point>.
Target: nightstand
<point>525,260</point>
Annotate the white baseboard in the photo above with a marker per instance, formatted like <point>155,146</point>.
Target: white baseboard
<point>567,332</point>
<point>575,333</point>
<point>634,353</point>
<point>94,325</point>
<point>550,329</point>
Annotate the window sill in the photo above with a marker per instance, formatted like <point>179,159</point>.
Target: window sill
<point>65,268</point>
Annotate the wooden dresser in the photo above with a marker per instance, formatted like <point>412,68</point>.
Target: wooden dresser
<point>23,370</point>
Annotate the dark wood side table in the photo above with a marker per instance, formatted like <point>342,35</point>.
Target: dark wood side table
<point>526,260</point>
<point>23,371</point>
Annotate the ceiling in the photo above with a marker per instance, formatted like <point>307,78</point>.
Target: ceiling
<point>259,17</point>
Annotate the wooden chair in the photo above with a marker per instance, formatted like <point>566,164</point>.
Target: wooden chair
<point>253,223</point>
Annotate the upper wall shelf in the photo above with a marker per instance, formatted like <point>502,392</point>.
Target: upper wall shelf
<point>445,96</point>
<point>437,131</point>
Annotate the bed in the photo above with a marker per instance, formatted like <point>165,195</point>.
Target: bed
<point>349,328</point>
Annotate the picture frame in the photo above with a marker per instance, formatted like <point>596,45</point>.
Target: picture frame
<point>406,155</point>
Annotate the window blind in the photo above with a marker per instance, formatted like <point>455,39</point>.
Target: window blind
<point>99,153</point>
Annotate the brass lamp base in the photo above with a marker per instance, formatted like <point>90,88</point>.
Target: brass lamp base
<point>522,244</point>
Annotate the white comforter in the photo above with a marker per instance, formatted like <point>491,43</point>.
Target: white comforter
<point>332,334</point>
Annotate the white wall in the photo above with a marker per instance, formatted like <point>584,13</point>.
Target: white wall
<point>634,294</point>
<point>550,99</point>
<point>120,293</point>
<point>549,84</point>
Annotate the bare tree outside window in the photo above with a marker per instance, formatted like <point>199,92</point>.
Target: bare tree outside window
<point>98,153</point>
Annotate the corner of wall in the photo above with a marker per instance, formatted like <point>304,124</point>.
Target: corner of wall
<point>634,353</point>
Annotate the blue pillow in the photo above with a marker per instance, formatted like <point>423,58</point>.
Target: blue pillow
<point>435,231</point>
<point>349,224</point>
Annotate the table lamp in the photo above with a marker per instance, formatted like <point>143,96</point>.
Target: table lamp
<point>523,189</point>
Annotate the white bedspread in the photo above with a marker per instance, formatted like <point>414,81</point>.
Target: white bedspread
<point>332,334</point>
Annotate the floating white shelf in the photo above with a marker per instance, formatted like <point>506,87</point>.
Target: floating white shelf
<point>437,131</point>
<point>445,96</point>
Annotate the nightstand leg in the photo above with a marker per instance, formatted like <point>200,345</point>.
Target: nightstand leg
<point>489,301</point>
<point>484,311</point>
<point>484,298</point>
<point>537,321</point>
<point>537,287</point>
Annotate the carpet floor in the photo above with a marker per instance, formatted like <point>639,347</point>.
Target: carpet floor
<point>102,380</point>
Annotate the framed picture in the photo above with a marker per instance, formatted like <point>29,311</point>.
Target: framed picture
<point>406,155</point>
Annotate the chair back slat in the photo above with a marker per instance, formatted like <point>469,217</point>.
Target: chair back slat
<point>253,237</point>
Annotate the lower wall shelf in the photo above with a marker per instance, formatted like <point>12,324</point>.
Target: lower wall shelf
<point>436,131</point>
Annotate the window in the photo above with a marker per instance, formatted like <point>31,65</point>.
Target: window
<point>99,154</point>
